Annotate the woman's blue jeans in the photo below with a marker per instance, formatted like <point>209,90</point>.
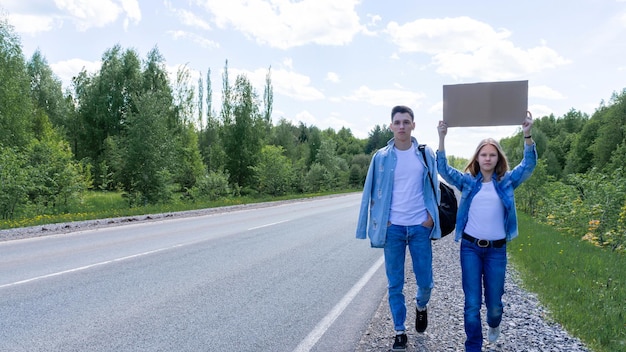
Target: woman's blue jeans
<point>481,267</point>
<point>417,238</point>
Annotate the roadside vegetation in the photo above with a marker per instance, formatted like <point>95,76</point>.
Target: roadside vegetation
<point>582,285</point>
<point>126,140</point>
<point>104,205</point>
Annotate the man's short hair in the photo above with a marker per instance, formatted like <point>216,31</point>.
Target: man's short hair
<point>402,109</point>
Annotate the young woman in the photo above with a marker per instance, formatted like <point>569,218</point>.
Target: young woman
<point>486,221</point>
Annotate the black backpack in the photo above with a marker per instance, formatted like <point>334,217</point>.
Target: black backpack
<point>448,205</point>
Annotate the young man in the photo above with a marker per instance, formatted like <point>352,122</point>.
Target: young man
<point>399,209</point>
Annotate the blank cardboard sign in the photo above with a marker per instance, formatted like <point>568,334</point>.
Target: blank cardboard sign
<point>485,104</point>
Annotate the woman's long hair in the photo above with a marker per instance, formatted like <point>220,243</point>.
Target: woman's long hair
<point>501,167</point>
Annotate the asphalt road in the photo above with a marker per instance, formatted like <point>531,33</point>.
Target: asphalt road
<point>289,277</point>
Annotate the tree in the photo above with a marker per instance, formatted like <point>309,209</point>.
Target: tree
<point>314,141</point>
<point>46,91</point>
<point>212,148</point>
<point>200,102</point>
<point>188,167</point>
<point>55,182</point>
<point>347,143</point>
<point>227,104</point>
<point>572,122</point>
<point>530,192</point>
<point>336,167</point>
<point>317,179</point>
<point>610,130</point>
<point>268,99</point>
<point>273,172</point>
<point>15,104</point>
<point>358,169</point>
<point>106,99</point>
<point>378,138</point>
<point>242,142</point>
<point>184,97</point>
<point>147,151</point>
<point>580,157</point>
<point>13,182</point>
<point>285,135</point>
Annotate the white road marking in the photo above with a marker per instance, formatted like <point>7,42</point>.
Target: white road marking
<point>89,266</point>
<point>266,225</point>
<point>307,344</point>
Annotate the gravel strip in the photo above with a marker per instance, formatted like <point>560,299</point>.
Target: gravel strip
<point>526,325</point>
<point>59,228</point>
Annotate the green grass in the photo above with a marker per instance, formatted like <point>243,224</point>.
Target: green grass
<point>583,286</point>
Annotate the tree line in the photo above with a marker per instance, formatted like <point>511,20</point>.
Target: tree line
<point>128,128</point>
<point>579,185</point>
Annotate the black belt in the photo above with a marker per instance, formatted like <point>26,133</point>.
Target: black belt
<point>485,243</point>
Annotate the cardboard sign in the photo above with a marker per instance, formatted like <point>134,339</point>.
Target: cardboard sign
<point>485,104</point>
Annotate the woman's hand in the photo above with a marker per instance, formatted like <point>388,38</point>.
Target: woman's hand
<point>526,126</point>
<point>528,123</point>
<point>442,129</point>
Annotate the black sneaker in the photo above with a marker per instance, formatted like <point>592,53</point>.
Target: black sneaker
<point>421,319</point>
<point>399,343</point>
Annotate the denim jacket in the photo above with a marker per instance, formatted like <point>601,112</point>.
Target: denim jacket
<point>470,185</point>
<point>376,199</point>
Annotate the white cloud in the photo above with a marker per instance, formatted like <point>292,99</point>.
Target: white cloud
<point>433,36</point>
<point>285,24</point>
<point>544,92</point>
<point>373,19</point>
<point>68,69</point>
<point>335,122</point>
<point>203,42</point>
<point>305,117</point>
<point>33,24</point>
<point>285,82</point>
<point>188,18</point>
<point>465,48</point>
<point>294,85</point>
<point>386,97</point>
<point>84,14</point>
<point>436,109</point>
<point>288,63</point>
<point>540,111</point>
<point>131,8</point>
<point>332,77</point>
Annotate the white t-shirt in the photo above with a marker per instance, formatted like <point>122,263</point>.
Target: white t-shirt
<point>407,200</point>
<point>486,215</point>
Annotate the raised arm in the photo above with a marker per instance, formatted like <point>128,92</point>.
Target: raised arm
<point>442,129</point>
<point>526,127</point>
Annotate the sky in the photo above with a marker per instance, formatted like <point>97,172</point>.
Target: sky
<point>346,63</point>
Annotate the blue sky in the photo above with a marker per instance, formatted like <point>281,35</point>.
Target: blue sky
<point>345,63</point>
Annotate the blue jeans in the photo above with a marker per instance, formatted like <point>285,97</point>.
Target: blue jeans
<point>481,267</point>
<point>418,240</point>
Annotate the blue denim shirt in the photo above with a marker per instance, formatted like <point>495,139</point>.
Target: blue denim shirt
<point>377,191</point>
<point>470,185</point>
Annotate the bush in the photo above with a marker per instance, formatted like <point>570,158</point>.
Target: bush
<point>212,186</point>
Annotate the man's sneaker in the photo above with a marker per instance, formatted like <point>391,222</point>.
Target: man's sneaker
<point>493,333</point>
<point>421,319</point>
<point>399,343</point>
